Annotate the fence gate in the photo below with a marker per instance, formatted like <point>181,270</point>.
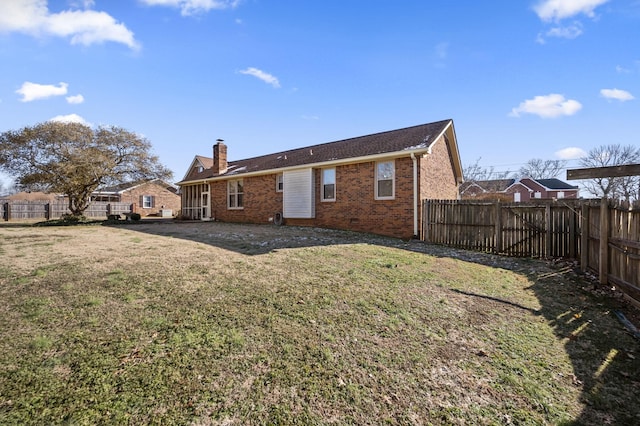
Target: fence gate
<point>538,229</point>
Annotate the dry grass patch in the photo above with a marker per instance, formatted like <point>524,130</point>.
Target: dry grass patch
<point>225,324</point>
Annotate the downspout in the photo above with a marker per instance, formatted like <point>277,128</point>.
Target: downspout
<point>415,195</point>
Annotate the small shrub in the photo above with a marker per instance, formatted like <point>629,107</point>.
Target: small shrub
<point>70,218</point>
<point>135,217</point>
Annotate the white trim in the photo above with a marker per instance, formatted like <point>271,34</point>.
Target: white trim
<point>237,194</point>
<point>322,184</point>
<point>393,181</point>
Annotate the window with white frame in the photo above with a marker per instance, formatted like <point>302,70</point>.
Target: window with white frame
<point>329,184</point>
<point>148,201</point>
<point>235,194</point>
<point>537,194</point>
<point>279,182</point>
<point>561,194</point>
<point>385,180</point>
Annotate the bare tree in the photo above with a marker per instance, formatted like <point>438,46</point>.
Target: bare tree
<point>475,172</point>
<point>538,168</point>
<point>74,159</point>
<point>623,188</point>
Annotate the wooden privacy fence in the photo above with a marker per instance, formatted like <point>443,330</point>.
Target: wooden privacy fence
<point>603,237</point>
<point>542,229</point>
<point>30,210</point>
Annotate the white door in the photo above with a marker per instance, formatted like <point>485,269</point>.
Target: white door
<point>205,206</point>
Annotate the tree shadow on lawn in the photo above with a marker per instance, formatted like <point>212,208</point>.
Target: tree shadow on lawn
<point>602,352</point>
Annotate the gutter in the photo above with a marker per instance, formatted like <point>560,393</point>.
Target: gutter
<point>415,194</point>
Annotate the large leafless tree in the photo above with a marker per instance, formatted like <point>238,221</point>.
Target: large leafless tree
<point>474,172</point>
<point>625,188</point>
<point>538,168</point>
<point>75,160</point>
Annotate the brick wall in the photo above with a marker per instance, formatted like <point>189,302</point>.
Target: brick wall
<point>163,197</point>
<point>261,200</point>
<point>355,207</point>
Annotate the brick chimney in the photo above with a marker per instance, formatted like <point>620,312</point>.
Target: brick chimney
<point>219,157</point>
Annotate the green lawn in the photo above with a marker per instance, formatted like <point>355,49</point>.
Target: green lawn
<point>223,324</point>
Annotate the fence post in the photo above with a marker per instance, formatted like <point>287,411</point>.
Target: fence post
<point>498,227</point>
<point>427,219</point>
<point>548,244</point>
<point>7,212</point>
<point>573,236</point>
<point>584,237</point>
<point>47,211</point>
<point>604,241</point>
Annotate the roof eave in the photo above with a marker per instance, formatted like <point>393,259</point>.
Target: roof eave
<point>321,164</point>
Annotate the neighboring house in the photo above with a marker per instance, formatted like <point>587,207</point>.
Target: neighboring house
<point>371,183</point>
<point>517,190</point>
<point>149,198</point>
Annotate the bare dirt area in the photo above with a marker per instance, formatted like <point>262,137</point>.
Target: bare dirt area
<point>214,323</point>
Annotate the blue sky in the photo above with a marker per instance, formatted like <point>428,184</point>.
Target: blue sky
<point>544,79</point>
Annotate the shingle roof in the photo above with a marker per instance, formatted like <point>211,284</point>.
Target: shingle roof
<point>555,184</point>
<point>496,185</point>
<point>500,185</point>
<point>129,185</point>
<point>415,137</point>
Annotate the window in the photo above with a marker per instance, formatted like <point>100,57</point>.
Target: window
<point>537,195</point>
<point>328,184</point>
<point>148,201</point>
<point>516,197</point>
<point>235,194</point>
<point>279,183</point>
<point>560,194</point>
<point>385,180</point>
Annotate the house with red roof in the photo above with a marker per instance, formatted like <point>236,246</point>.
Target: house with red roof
<point>373,183</point>
<point>517,190</point>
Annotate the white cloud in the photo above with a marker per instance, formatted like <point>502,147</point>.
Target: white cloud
<point>617,94</point>
<point>266,77</point>
<point>194,7</point>
<point>556,10</point>
<point>82,26</point>
<point>572,31</point>
<point>70,118</point>
<point>571,153</point>
<point>548,106</point>
<point>75,99</point>
<point>32,91</point>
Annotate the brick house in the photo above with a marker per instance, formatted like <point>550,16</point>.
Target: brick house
<point>517,190</point>
<point>369,183</point>
<point>149,198</point>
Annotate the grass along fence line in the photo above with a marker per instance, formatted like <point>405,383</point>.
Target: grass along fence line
<point>211,323</point>
<point>603,237</point>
